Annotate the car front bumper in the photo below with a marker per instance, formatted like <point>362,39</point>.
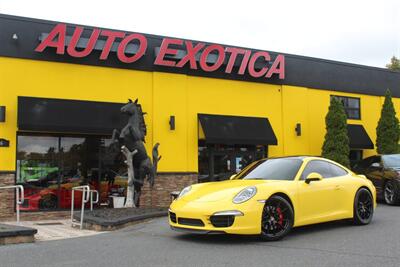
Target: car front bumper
<point>199,218</point>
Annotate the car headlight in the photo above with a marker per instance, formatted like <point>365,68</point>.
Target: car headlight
<point>245,195</point>
<point>184,191</point>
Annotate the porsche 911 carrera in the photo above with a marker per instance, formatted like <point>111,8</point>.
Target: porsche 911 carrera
<point>271,196</point>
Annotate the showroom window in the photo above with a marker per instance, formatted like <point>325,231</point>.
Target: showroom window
<point>50,166</point>
<point>351,106</point>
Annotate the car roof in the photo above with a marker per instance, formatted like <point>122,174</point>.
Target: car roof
<point>297,157</point>
<point>308,158</point>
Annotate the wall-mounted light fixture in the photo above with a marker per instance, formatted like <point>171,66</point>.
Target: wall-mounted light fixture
<point>172,122</point>
<point>298,129</point>
<point>2,114</point>
<point>4,142</point>
<point>15,36</point>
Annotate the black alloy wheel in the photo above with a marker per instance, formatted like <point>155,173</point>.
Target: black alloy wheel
<point>48,202</point>
<point>277,219</point>
<point>391,193</point>
<point>363,207</point>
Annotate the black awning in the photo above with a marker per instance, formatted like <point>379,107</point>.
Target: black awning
<point>220,129</point>
<point>359,138</point>
<point>69,116</point>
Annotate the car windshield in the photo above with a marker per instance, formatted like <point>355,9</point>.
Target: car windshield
<point>271,169</point>
<point>391,161</point>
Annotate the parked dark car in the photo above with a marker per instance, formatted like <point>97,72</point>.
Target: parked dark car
<point>384,172</point>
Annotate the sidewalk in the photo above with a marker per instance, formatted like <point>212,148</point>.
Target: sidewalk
<point>55,229</point>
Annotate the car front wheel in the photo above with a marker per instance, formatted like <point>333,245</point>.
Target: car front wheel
<point>277,219</point>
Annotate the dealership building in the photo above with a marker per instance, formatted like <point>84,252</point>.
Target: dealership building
<point>213,108</point>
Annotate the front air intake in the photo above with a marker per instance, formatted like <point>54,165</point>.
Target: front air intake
<point>222,220</point>
<point>172,217</point>
<point>190,221</point>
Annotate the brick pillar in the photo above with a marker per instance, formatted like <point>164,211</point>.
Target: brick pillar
<point>165,183</point>
<point>7,196</point>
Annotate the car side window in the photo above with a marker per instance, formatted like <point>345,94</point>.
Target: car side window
<point>337,171</point>
<point>318,166</point>
<point>326,169</point>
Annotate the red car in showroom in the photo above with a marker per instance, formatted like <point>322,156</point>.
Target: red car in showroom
<point>47,195</point>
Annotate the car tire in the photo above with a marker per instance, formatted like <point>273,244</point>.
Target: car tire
<point>48,202</point>
<point>391,192</point>
<point>277,219</point>
<point>363,210</point>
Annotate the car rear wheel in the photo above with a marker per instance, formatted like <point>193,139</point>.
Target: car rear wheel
<point>277,219</point>
<point>391,193</point>
<point>363,207</point>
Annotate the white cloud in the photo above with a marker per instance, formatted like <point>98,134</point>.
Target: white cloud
<point>363,32</point>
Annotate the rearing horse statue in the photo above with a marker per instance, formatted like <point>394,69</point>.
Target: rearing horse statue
<point>131,140</point>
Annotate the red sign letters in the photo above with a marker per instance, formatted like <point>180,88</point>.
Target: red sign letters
<point>207,57</point>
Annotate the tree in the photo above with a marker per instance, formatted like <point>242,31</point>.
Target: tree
<point>388,130</point>
<point>336,144</point>
<point>394,64</point>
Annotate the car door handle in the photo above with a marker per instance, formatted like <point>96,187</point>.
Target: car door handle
<point>338,187</point>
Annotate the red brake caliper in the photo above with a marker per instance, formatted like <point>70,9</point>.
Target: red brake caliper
<point>280,214</point>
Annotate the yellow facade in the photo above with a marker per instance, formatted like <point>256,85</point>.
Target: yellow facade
<point>165,94</point>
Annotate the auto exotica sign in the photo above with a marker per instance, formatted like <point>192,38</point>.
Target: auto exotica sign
<point>207,57</point>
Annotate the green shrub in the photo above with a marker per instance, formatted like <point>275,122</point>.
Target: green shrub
<point>388,130</point>
<point>336,144</point>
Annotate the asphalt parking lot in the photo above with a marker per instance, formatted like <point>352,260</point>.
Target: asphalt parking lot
<point>152,243</point>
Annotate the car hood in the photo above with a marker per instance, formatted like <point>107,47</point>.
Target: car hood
<point>216,191</point>
<point>395,171</point>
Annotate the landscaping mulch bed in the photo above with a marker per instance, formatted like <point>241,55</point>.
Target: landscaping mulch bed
<point>111,219</point>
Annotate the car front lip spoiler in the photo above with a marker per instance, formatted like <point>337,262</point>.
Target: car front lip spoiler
<point>196,231</point>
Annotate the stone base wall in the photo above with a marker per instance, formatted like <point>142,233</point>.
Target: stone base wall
<point>158,196</point>
<point>17,239</point>
<point>44,215</point>
<point>7,196</point>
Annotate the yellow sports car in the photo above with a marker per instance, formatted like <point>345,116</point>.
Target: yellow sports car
<point>271,196</point>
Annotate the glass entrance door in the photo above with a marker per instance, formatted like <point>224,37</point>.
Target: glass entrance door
<point>113,175</point>
<point>219,162</point>
<point>79,165</point>
<point>222,166</point>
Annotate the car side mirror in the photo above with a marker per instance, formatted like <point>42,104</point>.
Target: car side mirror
<point>232,177</point>
<point>314,176</point>
<point>174,194</point>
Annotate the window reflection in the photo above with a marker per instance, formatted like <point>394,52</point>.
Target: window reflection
<point>49,167</point>
<point>37,170</point>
